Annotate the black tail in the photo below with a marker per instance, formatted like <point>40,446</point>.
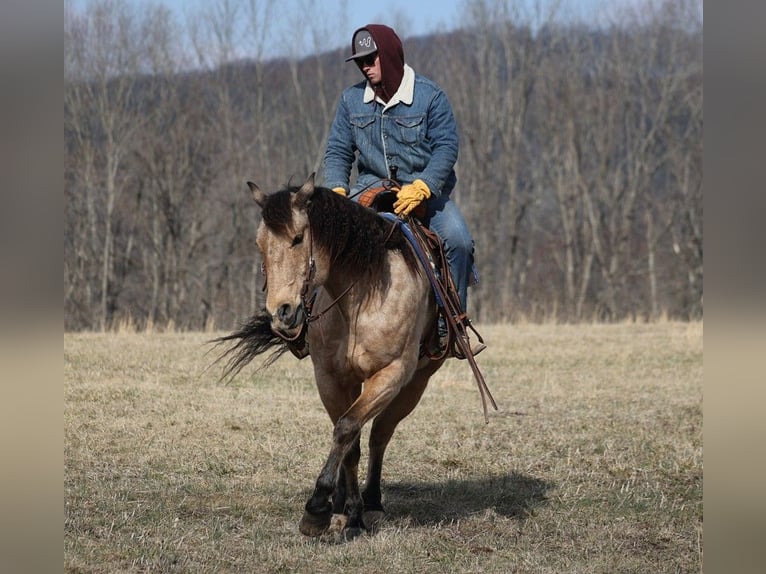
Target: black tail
<point>252,339</point>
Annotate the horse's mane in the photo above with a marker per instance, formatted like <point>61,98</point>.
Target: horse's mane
<point>354,237</point>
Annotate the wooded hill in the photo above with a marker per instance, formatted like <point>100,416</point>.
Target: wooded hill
<point>580,169</point>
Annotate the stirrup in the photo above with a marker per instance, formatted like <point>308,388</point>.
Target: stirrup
<point>444,349</point>
<point>476,348</point>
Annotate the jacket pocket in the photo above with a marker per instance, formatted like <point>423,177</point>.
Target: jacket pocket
<point>410,128</point>
<point>363,127</point>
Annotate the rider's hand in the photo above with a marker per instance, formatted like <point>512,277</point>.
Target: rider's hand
<point>410,196</point>
<point>340,191</point>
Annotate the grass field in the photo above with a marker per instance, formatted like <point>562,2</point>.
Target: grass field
<point>592,464</point>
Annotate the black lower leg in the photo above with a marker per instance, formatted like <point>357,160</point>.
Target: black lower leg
<point>349,467</point>
<point>319,507</point>
<point>371,495</point>
<point>339,496</point>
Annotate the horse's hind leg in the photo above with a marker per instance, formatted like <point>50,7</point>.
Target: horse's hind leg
<point>347,493</point>
<point>347,482</point>
<point>382,430</point>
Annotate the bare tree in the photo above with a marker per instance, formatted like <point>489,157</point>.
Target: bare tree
<point>580,170</point>
<point>492,85</point>
<point>103,56</point>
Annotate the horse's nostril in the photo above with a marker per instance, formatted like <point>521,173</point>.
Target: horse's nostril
<point>289,316</point>
<point>285,313</point>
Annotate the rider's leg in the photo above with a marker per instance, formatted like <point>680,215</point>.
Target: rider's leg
<point>444,219</point>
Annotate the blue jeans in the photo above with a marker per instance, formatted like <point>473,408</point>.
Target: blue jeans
<point>444,218</point>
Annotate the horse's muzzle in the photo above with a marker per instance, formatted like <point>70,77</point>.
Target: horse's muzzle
<point>288,320</point>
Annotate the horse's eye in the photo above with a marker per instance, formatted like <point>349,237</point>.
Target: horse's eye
<point>298,239</point>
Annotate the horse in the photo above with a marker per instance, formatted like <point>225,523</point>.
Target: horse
<point>378,311</point>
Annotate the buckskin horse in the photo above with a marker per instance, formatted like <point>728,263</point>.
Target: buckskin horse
<point>378,310</point>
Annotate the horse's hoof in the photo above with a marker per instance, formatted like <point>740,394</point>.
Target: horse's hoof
<point>314,524</point>
<point>350,534</point>
<point>372,519</point>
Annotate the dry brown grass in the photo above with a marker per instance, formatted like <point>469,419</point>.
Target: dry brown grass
<point>593,463</point>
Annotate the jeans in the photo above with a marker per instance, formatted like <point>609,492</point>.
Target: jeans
<point>444,218</point>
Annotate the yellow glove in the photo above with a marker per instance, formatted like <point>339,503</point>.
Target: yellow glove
<point>410,196</point>
<point>340,191</point>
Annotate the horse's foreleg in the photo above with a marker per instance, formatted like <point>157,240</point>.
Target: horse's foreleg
<point>318,511</point>
<point>378,393</point>
<point>337,397</point>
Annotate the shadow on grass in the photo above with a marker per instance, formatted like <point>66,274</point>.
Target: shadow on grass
<point>512,495</point>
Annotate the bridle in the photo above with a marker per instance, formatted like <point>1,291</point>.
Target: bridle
<point>296,343</point>
<point>308,294</point>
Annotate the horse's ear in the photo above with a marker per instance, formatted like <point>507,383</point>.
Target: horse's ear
<point>304,194</point>
<point>258,195</point>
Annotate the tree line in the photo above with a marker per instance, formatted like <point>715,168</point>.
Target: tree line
<point>580,168</point>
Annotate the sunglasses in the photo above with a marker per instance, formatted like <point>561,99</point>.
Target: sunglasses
<point>368,60</point>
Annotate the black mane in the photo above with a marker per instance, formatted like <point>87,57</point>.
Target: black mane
<point>354,237</point>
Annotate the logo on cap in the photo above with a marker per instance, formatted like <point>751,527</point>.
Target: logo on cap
<point>363,45</point>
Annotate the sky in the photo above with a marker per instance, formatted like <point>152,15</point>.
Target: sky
<point>407,17</point>
<point>411,17</point>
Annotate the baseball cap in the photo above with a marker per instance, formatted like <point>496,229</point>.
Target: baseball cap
<point>362,45</point>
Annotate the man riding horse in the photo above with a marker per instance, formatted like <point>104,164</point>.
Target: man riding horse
<point>399,125</point>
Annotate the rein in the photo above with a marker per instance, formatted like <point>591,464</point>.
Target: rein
<point>308,304</point>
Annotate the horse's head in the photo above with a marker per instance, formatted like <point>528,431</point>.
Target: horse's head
<point>285,242</point>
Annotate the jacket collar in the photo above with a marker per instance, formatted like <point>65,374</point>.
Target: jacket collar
<point>403,95</point>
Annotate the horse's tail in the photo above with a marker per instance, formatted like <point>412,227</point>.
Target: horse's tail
<point>251,339</point>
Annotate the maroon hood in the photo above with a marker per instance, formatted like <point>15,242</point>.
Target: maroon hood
<point>391,56</point>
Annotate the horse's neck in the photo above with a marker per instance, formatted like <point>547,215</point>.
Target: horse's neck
<point>339,284</point>
<point>351,287</point>
<point>347,292</point>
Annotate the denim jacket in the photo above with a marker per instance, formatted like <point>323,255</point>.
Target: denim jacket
<point>415,131</point>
